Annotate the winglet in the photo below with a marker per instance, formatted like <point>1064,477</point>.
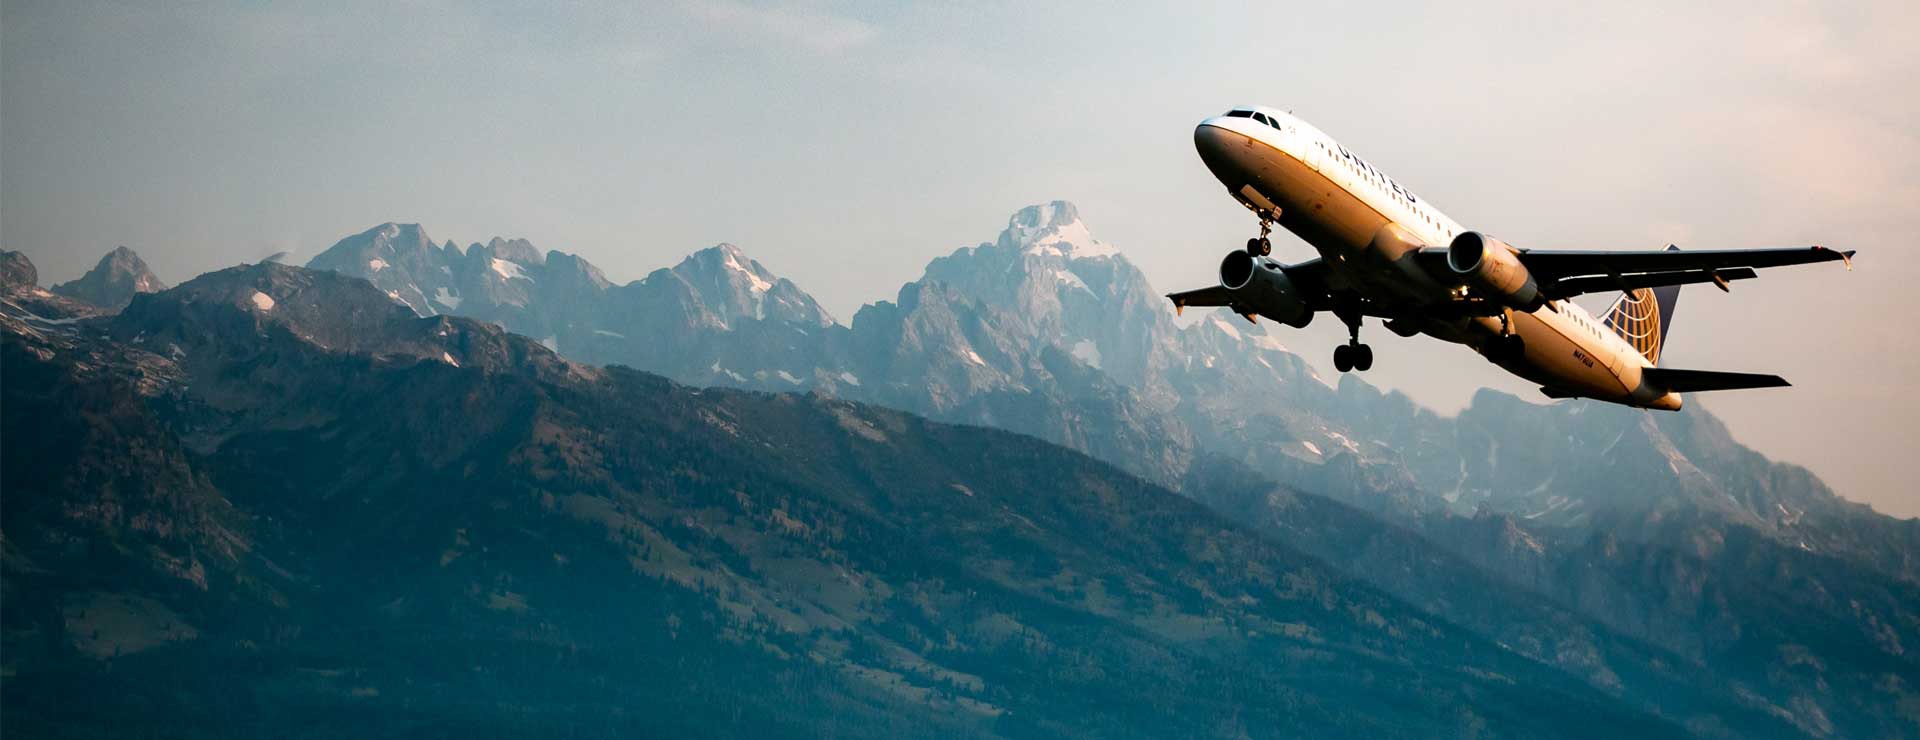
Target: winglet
<point>1846,257</point>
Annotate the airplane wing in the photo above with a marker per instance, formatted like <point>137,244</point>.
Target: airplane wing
<point>1310,278</point>
<point>1213,296</point>
<point>1567,273</point>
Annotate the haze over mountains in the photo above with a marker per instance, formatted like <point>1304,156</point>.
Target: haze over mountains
<point>334,463</point>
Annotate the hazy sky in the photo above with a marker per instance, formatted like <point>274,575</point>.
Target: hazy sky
<point>845,144</point>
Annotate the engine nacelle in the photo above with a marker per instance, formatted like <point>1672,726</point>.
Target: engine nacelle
<point>1258,283</point>
<point>1490,266</point>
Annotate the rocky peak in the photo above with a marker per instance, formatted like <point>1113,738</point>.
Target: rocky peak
<point>733,285</point>
<point>518,251</point>
<point>570,269</point>
<point>1063,286</point>
<point>113,282</point>
<point>399,259</point>
<point>16,271</point>
<point>388,239</point>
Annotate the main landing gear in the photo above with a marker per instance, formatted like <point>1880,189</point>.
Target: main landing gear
<point>1259,246</point>
<point>1508,346</point>
<point>1353,355</point>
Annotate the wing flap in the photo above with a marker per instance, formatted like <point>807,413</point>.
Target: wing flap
<point>1694,381</point>
<point>1214,296</point>
<point>1554,264</point>
<point>1570,287</point>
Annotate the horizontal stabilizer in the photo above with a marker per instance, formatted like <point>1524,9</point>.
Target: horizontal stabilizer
<point>1693,381</point>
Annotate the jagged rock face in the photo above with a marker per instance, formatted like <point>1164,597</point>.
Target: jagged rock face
<point>1234,386</point>
<point>400,260</point>
<point>31,315</point>
<point>16,271</point>
<point>118,277</point>
<point>305,481</point>
<point>945,354</point>
<point>1061,285</point>
<point>715,289</point>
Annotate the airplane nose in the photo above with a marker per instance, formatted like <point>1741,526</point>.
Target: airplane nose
<point>1216,144</point>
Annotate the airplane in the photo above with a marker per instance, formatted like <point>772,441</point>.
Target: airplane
<point>1389,254</point>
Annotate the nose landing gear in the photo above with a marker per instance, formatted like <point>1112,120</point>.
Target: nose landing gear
<point>1259,246</point>
<point>1353,355</point>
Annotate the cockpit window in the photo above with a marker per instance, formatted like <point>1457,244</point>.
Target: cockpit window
<point>1261,117</point>
<point>1239,114</point>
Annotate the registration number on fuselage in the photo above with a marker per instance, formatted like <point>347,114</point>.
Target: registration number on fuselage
<point>1581,355</point>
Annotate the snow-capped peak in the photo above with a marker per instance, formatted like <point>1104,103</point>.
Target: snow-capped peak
<point>1055,229</point>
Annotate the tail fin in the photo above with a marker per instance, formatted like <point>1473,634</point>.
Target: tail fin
<point>1641,317</point>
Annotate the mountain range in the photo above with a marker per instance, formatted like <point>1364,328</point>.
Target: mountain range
<point>1577,557</point>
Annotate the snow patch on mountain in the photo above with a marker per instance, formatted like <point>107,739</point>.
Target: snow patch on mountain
<point>1224,327</point>
<point>755,282</point>
<point>1088,352</point>
<point>1068,278</point>
<point>508,270</point>
<point>1073,241</point>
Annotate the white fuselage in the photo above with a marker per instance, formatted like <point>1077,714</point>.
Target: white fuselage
<point>1366,227</point>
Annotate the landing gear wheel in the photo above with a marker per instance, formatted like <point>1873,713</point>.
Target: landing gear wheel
<point>1362,357</point>
<point>1343,358</point>
<point>1259,246</point>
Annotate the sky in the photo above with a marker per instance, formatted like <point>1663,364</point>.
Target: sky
<point>846,144</point>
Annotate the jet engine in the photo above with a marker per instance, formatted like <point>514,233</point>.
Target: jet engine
<point>1259,283</point>
<point>1490,266</point>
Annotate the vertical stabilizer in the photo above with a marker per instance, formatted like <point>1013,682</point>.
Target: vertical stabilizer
<point>1641,316</point>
